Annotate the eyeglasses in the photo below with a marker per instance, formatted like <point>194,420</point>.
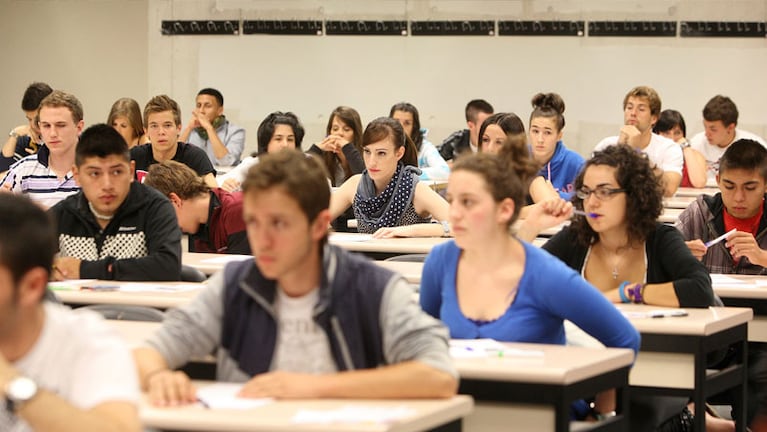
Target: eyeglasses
<point>603,193</point>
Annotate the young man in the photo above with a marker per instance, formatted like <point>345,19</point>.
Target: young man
<point>24,140</point>
<point>465,140</point>
<point>114,228</point>
<point>213,217</point>
<point>162,119</point>
<point>740,205</point>
<point>641,108</point>
<point>303,319</point>
<point>720,121</point>
<point>46,176</point>
<point>60,370</point>
<point>211,131</point>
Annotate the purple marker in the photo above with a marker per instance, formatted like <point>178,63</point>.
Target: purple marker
<point>583,213</point>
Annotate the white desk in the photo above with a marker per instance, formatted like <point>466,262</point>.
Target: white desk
<point>160,300</point>
<point>672,358</point>
<point>385,248</point>
<point>670,215</point>
<point>537,390</point>
<point>428,414</point>
<point>745,291</point>
<point>694,192</point>
<point>678,202</point>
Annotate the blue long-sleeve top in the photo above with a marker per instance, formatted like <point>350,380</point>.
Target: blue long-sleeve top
<point>548,293</point>
<point>562,169</point>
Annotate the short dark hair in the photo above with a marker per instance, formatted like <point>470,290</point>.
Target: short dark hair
<point>416,135</point>
<point>174,177</point>
<point>160,104</point>
<point>510,123</point>
<point>34,94</point>
<point>721,108</point>
<point>212,92</point>
<point>644,192</point>
<point>549,105</point>
<point>300,176</point>
<point>28,237</point>
<point>267,126</point>
<point>667,120</point>
<point>100,140</point>
<point>476,106</point>
<point>645,92</point>
<point>745,154</point>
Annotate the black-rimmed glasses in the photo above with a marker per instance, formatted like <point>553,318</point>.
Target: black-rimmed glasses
<point>603,193</point>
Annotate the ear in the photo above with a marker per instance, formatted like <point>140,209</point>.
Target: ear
<point>505,211</point>
<point>653,120</point>
<point>400,152</point>
<point>730,128</point>
<point>319,228</point>
<point>80,126</point>
<point>175,200</point>
<point>132,170</point>
<point>559,135</point>
<point>76,175</point>
<point>32,286</point>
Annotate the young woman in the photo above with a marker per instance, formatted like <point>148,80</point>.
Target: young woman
<point>671,125</point>
<point>623,251</point>
<point>488,284</point>
<point>388,194</point>
<point>502,129</point>
<point>276,132</point>
<point>431,163</point>
<point>559,165</point>
<point>125,117</point>
<point>340,150</point>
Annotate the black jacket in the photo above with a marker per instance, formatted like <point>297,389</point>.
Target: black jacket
<point>141,242</point>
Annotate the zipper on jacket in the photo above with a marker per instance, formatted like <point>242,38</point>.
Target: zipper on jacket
<point>342,343</point>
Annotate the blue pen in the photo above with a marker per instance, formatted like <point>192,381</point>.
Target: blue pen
<point>583,213</point>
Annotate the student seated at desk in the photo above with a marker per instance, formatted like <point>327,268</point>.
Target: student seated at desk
<point>60,370</point>
<point>125,117</point>
<point>740,205</point>
<point>25,140</point>
<point>626,253</point>
<point>388,194</point>
<point>304,319</point>
<point>671,125</point>
<point>276,132</point>
<point>488,284</point>
<point>212,217</point>
<point>432,166</point>
<point>114,228</point>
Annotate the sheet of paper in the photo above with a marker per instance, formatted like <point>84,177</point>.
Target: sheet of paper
<point>474,348</point>
<point>224,396</point>
<point>150,287</point>
<point>722,279</point>
<point>655,313</point>
<point>354,414</point>
<point>345,237</point>
<point>223,259</point>
<point>68,285</point>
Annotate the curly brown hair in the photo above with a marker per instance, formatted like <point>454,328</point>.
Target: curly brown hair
<point>644,193</point>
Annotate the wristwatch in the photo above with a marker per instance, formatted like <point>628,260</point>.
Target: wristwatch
<point>19,391</point>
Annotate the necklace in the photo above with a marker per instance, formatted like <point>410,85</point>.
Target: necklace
<point>99,215</point>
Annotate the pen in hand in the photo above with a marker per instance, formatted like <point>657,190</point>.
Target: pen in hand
<point>583,213</point>
<point>710,243</point>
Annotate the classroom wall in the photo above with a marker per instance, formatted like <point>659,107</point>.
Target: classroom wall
<point>310,75</point>
<point>95,49</point>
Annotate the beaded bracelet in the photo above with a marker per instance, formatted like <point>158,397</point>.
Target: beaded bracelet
<point>622,292</point>
<point>636,293</point>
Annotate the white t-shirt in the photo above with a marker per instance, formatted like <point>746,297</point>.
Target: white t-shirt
<point>713,153</point>
<point>661,151</point>
<point>80,358</point>
<point>302,345</point>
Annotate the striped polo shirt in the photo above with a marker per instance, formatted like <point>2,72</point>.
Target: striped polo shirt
<point>32,176</point>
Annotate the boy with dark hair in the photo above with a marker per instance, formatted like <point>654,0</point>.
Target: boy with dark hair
<point>162,119</point>
<point>720,121</point>
<point>641,108</point>
<point>46,176</point>
<point>212,217</point>
<point>114,228</point>
<point>57,366</point>
<point>347,328</point>
<point>211,131</point>
<point>740,205</point>
<point>24,140</point>
<point>477,110</point>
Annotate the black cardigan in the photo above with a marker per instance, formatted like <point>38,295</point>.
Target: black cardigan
<point>668,260</point>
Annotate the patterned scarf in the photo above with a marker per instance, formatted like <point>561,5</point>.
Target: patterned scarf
<point>386,209</point>
<point>217,123</point>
